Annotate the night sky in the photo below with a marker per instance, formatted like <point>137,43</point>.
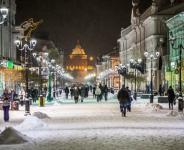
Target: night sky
<point>96,23</point>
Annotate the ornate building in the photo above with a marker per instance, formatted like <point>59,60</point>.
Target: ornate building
<point>78,63</point>
<point>148,33</point>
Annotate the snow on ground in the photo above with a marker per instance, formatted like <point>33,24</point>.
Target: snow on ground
<point>91,126</point>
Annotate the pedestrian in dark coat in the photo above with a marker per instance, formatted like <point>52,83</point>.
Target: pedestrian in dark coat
<point>82,93</point>
<point>171,97</point>
<point>129,100</point>
<point>160,90</point>
<point>66,92</point>
<point>76,94</point>
<point>102,92</point>
<point>6,104</point>
<point>105,91</point>
<point>71,92</point>
<point>123,99</point>
<point>94,89</point>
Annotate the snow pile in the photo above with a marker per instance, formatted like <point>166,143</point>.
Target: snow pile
<point>173,113</point>
<point>12,136</point>
<point>153,107</point>
<point>40,115</point>
<point>57,103</point>
<point>31,122</point>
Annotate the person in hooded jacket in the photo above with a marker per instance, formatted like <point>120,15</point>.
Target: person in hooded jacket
<point>123,97</point>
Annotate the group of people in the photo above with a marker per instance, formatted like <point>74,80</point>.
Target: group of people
<point>100,92</point>
<point>76,92</point>
<point>125,99</point>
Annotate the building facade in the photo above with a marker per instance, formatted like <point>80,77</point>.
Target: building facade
<point>106,70</point>
<point>176,28</point>
<point>10,72</point>
<point>78,63</point>
<point>148,33</point>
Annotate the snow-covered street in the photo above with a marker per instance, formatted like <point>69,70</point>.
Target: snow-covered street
<point>92,126</point>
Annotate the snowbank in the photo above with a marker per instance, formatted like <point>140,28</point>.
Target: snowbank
<point>153,107</point>
<point>40,115</point>
<point>173,113</point>
<point>12,136</point>
<point>31,122</point>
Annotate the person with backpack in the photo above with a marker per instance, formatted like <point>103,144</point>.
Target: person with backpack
<point>98,93</point>
<point>123,97</point>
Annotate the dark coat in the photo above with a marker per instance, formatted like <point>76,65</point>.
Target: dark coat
<point>171,95</point>
<point>123,96</point>
<point>66,90</point>
<point>76,93</point>
<point>83,91</point>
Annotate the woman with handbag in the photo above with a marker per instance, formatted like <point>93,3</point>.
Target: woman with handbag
<point>6,105</point>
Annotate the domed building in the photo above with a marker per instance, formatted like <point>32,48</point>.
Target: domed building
<point>78,63</point>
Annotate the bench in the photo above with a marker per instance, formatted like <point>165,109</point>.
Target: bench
<point>162,99</point>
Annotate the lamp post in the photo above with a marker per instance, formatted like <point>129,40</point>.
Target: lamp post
<point>3,15</point>
<point>178,46</point>
<point>151,57</point>
<point>41,59</point>
<point>49,97</point>
<point>122,70</point>
<point>135,64</point>
<point>26,45</point>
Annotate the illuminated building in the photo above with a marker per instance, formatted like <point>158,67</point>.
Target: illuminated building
<point>77,63</point>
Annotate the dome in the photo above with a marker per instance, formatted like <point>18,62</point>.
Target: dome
<point>78,50</point>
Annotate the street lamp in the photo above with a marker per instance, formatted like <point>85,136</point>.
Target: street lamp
<point>178,46</point>
<point>49,97</point>
<point>122,70</point>
<point>41,59</point>
<point>26,45</point>
<point>4,14</point>
<point>151,56</point>
<point>136,65</point>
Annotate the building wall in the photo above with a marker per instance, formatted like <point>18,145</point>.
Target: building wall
<point>148,34</point>
<point>7,47</point>
<point>176,26</point>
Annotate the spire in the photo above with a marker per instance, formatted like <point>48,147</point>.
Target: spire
<point>154,7</point>
<point>135,11</point>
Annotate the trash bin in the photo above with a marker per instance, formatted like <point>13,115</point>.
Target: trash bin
<point>41,101</point>
<point>180,104</point>
<point>27,106</point>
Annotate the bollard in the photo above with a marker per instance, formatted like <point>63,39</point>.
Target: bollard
<point>27,107</point>
<point>41,101</point>
<point>180,104</point>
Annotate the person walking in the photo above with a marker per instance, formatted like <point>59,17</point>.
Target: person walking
<point>94,89</point>
<point>66,92</point>
<point>76,94</point>
<point>160,91</point>
<point>6,105</point>
<point>123,99</point>
<point>105,91</point>
<point>98,93</point>
<point>82,93</point>
<point>129,102</point>
<point>71,92</point>
<point>101,88</point>
<point>171,97</point>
